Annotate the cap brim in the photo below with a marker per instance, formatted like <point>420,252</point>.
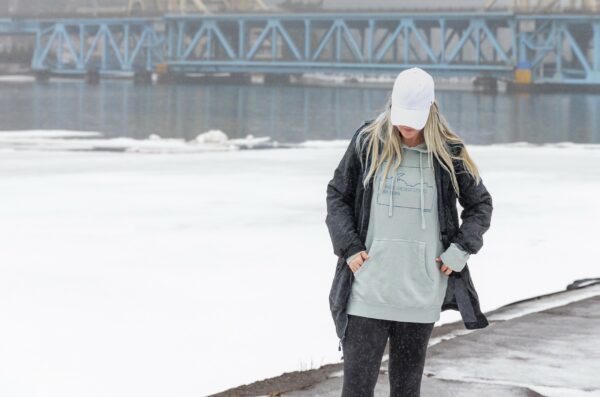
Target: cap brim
<point>409,117</point>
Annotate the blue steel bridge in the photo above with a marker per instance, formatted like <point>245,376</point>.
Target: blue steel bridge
<point>523,48</point>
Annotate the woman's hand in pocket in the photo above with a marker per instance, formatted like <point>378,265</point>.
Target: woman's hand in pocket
<point>444,268</point>
<point>358,261</point>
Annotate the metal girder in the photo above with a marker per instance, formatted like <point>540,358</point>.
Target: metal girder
<point>556,47</point>
<point>562,49</point>
<point>348,41</point>
<point>76,46</point>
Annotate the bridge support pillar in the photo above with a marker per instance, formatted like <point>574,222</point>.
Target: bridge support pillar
<point>166,78</point>
<point>241,78</point>
<point>277,79</point>
<point>42,76</point>
<point>142,76</point>
<point>486,84</point>
<point>92,76</point>
<point>163,74</point>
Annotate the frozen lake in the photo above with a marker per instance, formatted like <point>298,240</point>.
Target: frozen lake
<point>185,274</point>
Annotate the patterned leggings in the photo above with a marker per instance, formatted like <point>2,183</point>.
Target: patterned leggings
<point>363,350</point>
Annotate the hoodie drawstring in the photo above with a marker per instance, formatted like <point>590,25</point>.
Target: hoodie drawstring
<point>390,210</point>
<point>422,199</point>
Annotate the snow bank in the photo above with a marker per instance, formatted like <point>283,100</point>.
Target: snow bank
<point>209,141</point>
<point>61,140</point>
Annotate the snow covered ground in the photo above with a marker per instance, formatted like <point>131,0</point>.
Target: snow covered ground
<point>184,273</point>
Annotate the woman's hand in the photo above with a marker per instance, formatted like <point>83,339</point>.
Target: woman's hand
<point>444,268</point>
<point>357,262</point>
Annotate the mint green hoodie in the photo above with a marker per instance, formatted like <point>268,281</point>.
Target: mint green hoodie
<point>401,281</point>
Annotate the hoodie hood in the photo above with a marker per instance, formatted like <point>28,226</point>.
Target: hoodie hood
<point>421,149</point>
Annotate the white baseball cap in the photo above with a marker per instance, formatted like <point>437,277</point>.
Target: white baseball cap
<point>412,96</point>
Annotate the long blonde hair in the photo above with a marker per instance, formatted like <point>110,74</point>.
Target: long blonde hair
<point>384,144</point>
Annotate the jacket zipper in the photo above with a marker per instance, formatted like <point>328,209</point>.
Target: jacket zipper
<point>362,215</point>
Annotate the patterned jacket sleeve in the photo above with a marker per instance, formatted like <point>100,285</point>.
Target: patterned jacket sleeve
<point>341,192</point>
<point>476,214</point>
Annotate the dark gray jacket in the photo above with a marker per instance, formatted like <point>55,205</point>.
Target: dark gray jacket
<point>348,204</point>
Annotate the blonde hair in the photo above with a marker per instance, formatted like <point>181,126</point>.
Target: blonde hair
<point>383,142</point>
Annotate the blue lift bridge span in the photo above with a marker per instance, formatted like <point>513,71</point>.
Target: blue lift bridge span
<point>526,49</point>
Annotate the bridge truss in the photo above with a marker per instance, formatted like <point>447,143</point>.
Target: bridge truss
<point>550,47</point>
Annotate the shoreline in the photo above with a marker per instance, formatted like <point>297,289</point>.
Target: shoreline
<point>331,80</point>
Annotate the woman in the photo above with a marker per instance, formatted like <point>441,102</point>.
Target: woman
<point>402,257</point>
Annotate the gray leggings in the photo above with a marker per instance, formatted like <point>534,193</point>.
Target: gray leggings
<point>363,349</point>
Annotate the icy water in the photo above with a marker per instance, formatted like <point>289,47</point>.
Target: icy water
<point>285,113</point>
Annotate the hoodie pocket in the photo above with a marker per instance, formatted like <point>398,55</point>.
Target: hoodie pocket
<point>395,274</point>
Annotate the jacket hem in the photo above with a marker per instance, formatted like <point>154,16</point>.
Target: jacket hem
<point>481,323</point>
<point>382,311</point>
